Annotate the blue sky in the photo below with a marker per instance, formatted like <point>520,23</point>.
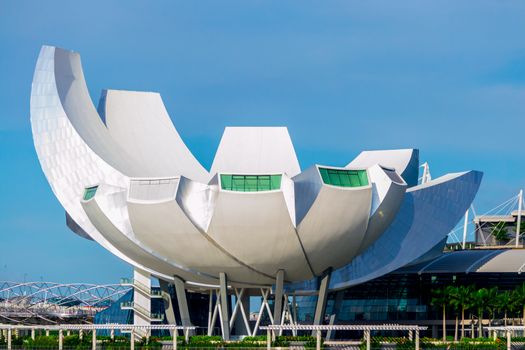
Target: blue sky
<point>447,77</point>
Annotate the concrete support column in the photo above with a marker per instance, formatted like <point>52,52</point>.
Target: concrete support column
<point>268,339</point>
<point>187,335</point>
<point>81,334</point>
<point>182,302</point>
<point>174,332</point>
<point>168,306</point>
<point>223,283</point>
<point>417,339</point>
<point>318,340</point>
<point>47,332</point>
<point>33,333</point>
<point>94,340</point>
<point>320,308</point>
<point>60,339</point>
<point>9,340</point>
<point>278,302</point>
<point>132,340</point>
<point>367,339</point>
<point>68,333</point>
<point>112,334</point>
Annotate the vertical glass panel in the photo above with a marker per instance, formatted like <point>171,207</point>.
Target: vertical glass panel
<point>324,175</point>
<point>226,181</point>
<point>276,182</point>
<point>250,183</point>
<point>263,183</point>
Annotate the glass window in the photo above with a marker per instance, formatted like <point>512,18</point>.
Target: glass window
<point>344,177</point>
<point>250,183</point>
<point>90,192</point>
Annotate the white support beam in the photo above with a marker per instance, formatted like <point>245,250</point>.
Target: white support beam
<point>264,306</point>
<point>169,310</point>
<point>241,299</point>
<point>320,308</point>
<point>223,283</point>
<point>9,338</point>
<point>518,222</point>
<point>215,313</point>
<point>94,340</point>
<point>278,301</point>
<point>465,225</point>
<point>182,302</point>
<point>210,312</point>
<point>174,338</point>
<point>60,339</point>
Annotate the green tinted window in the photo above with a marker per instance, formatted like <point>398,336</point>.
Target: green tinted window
<point>344,177</point>
<point>250,183</point>
<point>90,192</point>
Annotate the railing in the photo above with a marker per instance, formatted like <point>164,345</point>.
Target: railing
<point>157,316</point>
<point>126,305</point>
<point>153,316</point>
<point>155,293</point>
<point>126,281</point>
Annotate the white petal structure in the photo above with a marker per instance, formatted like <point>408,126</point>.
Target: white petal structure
<point>332,218</point>
<point>127,180</point>
<point>140,124</point>
<point>404,161</point>
<point>256,150</point>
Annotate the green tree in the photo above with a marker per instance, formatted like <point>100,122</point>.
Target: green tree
<point>453,292</point>
<point>492,303</point>
<point>504,304</point>
<point>463,298</point>
<point>481,300</point>
<point>499,231</point>
<point>518,296</point>
<point>440,299</point>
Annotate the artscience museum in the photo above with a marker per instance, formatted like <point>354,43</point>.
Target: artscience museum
<point>255,223</point>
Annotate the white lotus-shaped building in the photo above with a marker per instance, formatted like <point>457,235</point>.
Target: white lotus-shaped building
<point>126,180</point>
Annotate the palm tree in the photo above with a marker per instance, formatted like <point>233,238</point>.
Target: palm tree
<point>504,303</point>
<point>455,303</point>
<point>463,297</point>
<point>492,303</point>
<point>481,302</point>
<point>440,299</point>
<point>518,295</point>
